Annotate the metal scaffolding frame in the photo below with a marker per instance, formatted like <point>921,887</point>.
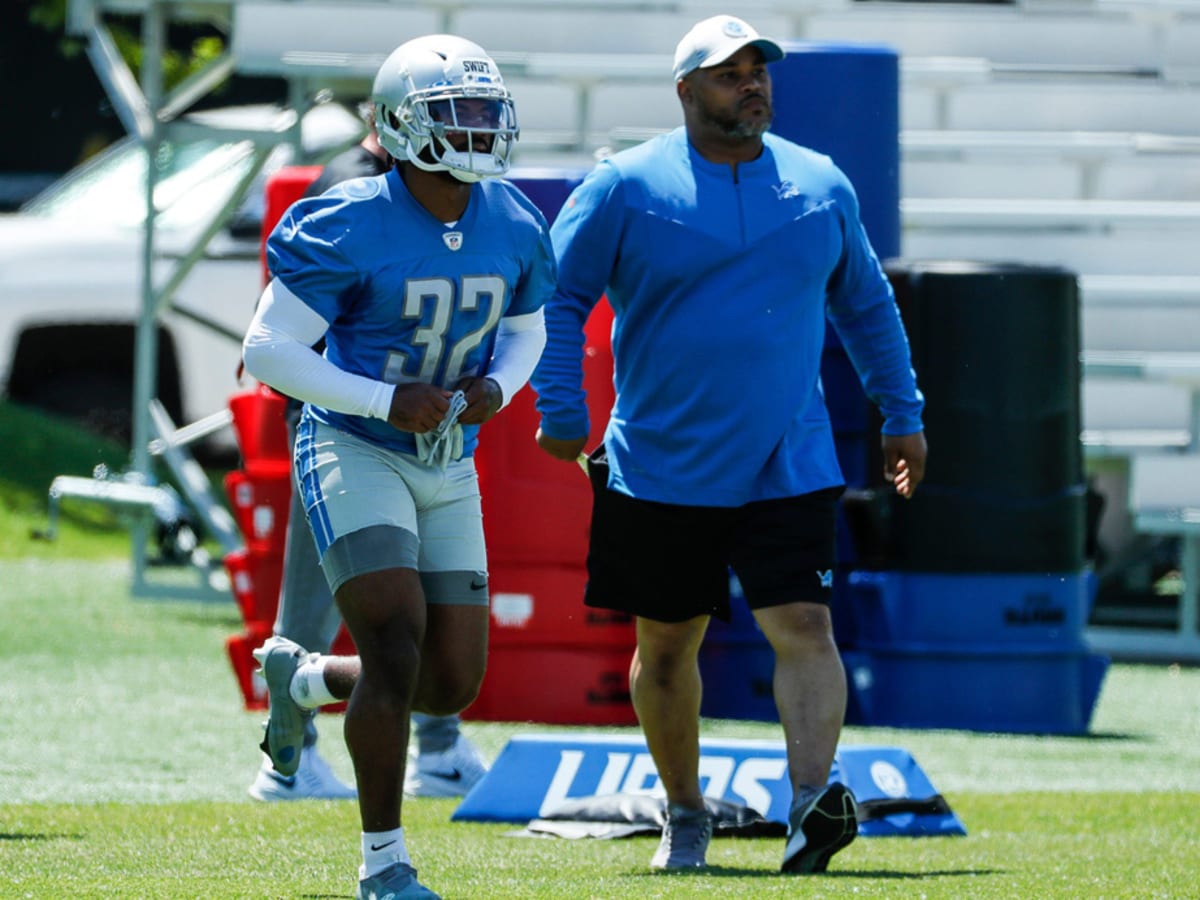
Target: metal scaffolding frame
<point>151,114</point>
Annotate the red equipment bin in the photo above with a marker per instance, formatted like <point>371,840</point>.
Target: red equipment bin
<point>255,578</point>
<point>543,605</point>
<point>261,501</point>
<point>283,188</point>
<point>550,658</point>
<point>259,427</point>
<point>559,685</point>
<point>536,509</point>
<point>240,648</point>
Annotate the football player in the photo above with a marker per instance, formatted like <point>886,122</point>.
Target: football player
<point>445,763</point>
<point>427,284</point>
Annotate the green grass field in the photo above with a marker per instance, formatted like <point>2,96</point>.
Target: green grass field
<point>37,448</point>
<point>125,754</point>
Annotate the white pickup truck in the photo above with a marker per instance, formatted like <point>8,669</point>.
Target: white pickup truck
<point>70,273</point>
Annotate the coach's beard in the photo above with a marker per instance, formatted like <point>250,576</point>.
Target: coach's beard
<point>740,128</point>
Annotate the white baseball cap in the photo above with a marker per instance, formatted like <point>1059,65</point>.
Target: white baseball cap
<point>715,40</point>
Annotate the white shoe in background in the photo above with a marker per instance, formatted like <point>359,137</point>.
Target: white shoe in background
<point>314,780</point>
<point>451,773</point>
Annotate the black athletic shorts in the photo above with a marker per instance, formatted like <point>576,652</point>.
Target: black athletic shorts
<point>671,563</point>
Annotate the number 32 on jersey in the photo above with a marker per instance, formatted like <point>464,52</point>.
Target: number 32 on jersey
<point>440,351</point>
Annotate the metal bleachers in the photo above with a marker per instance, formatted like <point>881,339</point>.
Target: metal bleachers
<point>1142,315</point>
<point>1054,164</point>
<point>1059,33</point>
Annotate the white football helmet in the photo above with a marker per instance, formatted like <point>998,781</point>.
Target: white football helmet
<point>439,87</point>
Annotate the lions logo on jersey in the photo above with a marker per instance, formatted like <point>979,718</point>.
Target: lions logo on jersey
<point>785,190</point>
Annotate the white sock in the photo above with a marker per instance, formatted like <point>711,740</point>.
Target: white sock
<point>381,849</point>
<point>308,684</point>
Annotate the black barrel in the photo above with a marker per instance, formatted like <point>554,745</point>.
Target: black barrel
<point>996,351</point>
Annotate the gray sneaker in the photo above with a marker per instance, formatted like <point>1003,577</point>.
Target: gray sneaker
<point>284,738</point>
<point>819,826</point>
<point>685,839</point>
<point>393,883</point>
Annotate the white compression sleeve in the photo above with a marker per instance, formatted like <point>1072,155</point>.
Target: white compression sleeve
<point>278,351</point>
<point>519,343</point>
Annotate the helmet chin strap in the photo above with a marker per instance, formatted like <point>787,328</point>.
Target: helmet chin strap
<point>471,166</point>
<point>427,165</point>
<point>466,166</point>
<point>467,177</point>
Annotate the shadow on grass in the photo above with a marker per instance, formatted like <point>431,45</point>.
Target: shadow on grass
<point>1130,736</point>
<point>884,873</point>
<point>37,836</point>
<point>742,872</point>
<point>216,615</point>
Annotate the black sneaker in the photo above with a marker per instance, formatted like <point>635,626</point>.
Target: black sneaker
<point>818,828</point>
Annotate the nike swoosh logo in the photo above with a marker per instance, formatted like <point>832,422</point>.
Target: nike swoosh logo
<point>478,587</point>
<point>381,846</point>
<point>451,775</point>
<point>286,780</point>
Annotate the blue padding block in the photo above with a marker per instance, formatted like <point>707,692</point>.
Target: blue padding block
<point>974,687</point>
<point>849,410</point>
<point>962,610</point>
<point>548,188</point>
<point>737,664</point>
<point>537,772</point>
<point>854,118</point>
<point>739,679</point>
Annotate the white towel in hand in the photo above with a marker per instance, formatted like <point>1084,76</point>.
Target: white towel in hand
<point>445,443</point>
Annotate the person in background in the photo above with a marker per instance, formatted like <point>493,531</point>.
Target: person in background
<point>445,763</point>
<point>427,284</point>
<point>724,250</point>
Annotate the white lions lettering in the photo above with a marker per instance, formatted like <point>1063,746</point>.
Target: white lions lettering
<point>749,779</point>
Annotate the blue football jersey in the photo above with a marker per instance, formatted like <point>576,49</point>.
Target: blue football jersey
<point>408,298</point>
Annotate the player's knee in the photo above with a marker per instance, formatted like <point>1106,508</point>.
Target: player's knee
<point>796,621</point>
<point>663,667</point>
<point>448,697</point>
<point>390,662</point>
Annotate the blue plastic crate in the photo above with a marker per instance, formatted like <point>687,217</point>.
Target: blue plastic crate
<point>995,688</point>
<point>738,678</point>
<point>888,608</point>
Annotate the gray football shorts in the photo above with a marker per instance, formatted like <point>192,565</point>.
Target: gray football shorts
<point>372,508</point>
